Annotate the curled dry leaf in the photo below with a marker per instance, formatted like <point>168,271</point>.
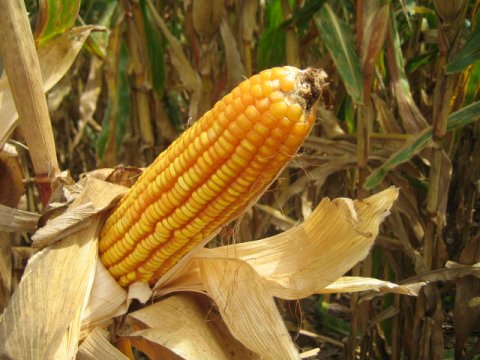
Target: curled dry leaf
<point>185,326</point>
<point>14,220</point>
<point>97,346</point>
<point>42,319</point>
<point>242,279</point>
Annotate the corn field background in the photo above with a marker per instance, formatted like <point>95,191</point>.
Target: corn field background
<point>401,109</point>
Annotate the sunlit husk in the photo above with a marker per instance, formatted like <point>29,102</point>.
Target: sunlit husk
<point>42,319</point>
<point>183,326</point>
<point>241,279</point>
<point>96,346</point>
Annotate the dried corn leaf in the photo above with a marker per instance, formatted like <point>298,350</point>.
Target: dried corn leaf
<point>43,321</point>
<point>307,258</point>
<point>96,346</point>
<point>65,224</point>
<point>14,220</point>
<point>247,307</point>
<point>243,278</point>
<point>55,58</point>
<point>235,69</point>
<point>107,300</point>
<point>182,326</point>
<point>39,314</point>
<point>354,284</point>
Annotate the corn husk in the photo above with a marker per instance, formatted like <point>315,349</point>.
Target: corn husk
<point>42,319</point>
<point>97,346</point>
<point>180,325</point>
<point>241,279</point>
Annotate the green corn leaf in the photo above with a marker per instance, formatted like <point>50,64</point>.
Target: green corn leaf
<point>304,14</point>
<point>156,50</point>
<point>55,17</point>
<point>271,45</point>
<point>338,39</point>
<point>460,118</point>
<point>469,53</point>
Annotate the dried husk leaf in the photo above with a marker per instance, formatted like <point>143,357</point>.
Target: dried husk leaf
<point>65,224</point>
<point>96,346</point>
<point>107,300</point>
<point>55,57</point>
<point>247,307</point>
<point>307,258</point>
<point>15,220</point>
<point>243,278</point>
<point>355,284</point>
<point>41,320</point>
<point>182,326</point>
<point>50,296</point>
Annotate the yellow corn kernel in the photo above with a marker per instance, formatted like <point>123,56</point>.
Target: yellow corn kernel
<point>210,174</point>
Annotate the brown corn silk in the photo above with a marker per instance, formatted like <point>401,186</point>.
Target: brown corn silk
<point>211,174</point>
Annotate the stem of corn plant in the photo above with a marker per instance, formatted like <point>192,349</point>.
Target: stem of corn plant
<point>17,50</point>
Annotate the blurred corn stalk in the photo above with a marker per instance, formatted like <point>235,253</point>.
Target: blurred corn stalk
<point>401,110</point>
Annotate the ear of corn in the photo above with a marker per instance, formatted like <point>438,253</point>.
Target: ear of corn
<point>211,174</point>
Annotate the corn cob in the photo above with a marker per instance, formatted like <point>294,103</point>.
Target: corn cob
<point>211,174</point>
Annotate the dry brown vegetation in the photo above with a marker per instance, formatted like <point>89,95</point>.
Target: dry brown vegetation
<point>401,110</point>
